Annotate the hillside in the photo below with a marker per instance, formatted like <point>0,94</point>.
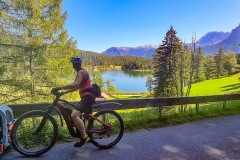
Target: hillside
<point>226,85</point>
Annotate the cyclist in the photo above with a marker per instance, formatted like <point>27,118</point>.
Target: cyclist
<point>82,83</point>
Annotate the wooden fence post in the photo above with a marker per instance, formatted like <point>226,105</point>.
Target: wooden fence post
<point>224,104</point>
<point>197,106</point>
<point>160,111</point>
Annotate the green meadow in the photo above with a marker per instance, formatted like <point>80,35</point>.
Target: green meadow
<point>226,85</point>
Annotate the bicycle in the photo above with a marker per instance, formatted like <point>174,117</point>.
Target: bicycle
<point>35,132</point>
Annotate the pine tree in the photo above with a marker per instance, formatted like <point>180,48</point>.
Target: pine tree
<point>149,83</point>
<point>110,87</point>
<point>35,35</point>
<point>192,65</point>
<point>184,64</point>
<point>210,68</point>
<point>230,62</point>
<point>165,67</point>
<point>219,59</point>
<point>199,74</point>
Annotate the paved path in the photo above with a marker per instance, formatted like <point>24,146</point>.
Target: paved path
<point>212,139</point>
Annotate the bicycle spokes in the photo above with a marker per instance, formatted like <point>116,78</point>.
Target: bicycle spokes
<point>34,133</point>
<point>106,129</point>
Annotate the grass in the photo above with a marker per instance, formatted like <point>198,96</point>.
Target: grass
<point>147,118</point>
<point>226,85</point>
<point>135,119</point>
<point>150,118</point>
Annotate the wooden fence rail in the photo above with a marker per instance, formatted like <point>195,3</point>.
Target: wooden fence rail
<point>19,109</point>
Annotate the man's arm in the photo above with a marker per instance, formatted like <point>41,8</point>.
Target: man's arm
<point>75,85</point>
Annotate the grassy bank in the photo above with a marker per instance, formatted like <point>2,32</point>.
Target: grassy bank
<point>225,85</point>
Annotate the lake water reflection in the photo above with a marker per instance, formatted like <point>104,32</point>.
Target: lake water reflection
<point>127,80</point>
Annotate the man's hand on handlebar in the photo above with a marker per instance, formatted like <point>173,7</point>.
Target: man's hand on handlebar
<point>55,90</point>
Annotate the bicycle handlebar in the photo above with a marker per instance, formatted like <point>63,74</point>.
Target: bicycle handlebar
<point>58,94</point>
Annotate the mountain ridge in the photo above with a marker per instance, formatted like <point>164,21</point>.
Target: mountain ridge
<point>210,44</point>
<point>212,38</point>
<point>230,43</point>
<point>142,51</point>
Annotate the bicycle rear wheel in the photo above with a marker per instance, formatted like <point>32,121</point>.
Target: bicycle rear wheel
<point>34,133</point>
<point>110,137</point>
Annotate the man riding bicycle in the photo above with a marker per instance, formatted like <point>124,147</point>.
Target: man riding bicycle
<point>82,83</point>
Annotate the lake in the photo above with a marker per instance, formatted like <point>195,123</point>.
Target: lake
<point>127,80</point>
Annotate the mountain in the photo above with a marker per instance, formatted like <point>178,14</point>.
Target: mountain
<point>143,51</point>
<point>212,38</point>
<point>230,43</point>
<point>210,44</point>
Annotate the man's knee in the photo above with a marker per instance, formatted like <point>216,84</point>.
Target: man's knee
<point>75,114</point>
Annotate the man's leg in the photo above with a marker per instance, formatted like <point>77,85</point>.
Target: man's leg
<point>83,106</point>
<point>78,122</point>
<point>80,125</point>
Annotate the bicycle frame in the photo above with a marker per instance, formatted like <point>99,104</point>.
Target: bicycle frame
<point>102,125</point>
<point>60,104</point>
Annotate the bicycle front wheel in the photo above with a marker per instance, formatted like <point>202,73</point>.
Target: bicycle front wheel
<point>34,133</point>
<point>113,135</point>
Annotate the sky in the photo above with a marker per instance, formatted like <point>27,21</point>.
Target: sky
<point>97,25</point>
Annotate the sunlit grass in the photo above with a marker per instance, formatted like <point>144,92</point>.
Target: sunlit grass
<point>225,85</point>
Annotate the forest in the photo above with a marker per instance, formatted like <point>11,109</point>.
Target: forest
<point>35,53</point>
<point>177,66</point>
<point>105,61</point>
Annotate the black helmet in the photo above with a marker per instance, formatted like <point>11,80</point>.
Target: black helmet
<point>76,60</point>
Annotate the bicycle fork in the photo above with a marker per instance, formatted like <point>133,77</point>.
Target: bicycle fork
<point>44,120</point>
<point>41,125</point>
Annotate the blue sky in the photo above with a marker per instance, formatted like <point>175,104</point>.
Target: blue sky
<point>100,24</point>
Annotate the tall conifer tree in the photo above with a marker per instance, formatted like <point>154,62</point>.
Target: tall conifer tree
<point>184,66</point>
<point>39,28</point>
<point>165,65</point>
<point>199,74</point>
<point>230,62</point>
<point>219,59</point>
<point>210,68</point>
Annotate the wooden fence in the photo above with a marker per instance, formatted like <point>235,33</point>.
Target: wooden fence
<point>19,109</point>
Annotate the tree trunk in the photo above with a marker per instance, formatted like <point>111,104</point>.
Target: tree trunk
<point>32,73</point>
